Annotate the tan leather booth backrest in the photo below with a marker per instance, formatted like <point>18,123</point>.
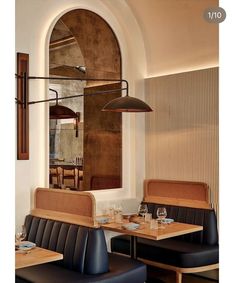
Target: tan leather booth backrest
<point>181,193</point>
<point>64,205</point>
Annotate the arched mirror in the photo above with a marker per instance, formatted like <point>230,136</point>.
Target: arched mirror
<point>86,149</point>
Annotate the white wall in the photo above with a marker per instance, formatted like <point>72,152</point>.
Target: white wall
<point>34,23</point>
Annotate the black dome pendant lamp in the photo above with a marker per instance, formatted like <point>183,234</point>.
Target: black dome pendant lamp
<point>61,112</point>
<point>127,104</point>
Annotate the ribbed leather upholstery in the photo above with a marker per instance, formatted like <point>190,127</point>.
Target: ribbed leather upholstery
<point>82,247</point>
<point>85,256</point>
<point>204,217</point>
<point>190,250</point>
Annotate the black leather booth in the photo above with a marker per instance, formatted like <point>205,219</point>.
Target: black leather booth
<point>85,256</point>
<point>187,251</point>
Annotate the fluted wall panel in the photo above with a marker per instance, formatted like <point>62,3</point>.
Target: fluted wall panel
<point>182,132</point>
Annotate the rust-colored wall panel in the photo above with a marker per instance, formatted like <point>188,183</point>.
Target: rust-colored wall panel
<point>102,137</point>
<point>97,41</point>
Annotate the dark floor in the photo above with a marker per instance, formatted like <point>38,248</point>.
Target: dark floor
<point>163,276</point>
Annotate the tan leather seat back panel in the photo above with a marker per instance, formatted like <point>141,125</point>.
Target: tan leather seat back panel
<point>182,193</point>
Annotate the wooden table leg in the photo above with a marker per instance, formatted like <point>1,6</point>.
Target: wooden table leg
<point>133,244</point>
<point>178,277</point>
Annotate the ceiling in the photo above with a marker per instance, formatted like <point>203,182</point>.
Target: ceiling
<point>176,36</point>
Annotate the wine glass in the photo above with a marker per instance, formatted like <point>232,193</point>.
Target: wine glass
<point>161,214</point>
<point>20,236</point>
<point>142,209</point>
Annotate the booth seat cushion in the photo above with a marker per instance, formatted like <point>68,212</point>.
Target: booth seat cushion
<point>170,251</point>
<point>191,250</point>
<point>85,259</point>
<point>121,270</point>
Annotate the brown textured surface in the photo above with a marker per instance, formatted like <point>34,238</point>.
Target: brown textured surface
<point>102,137</point>
<point>105,181</point>
<point>97,42</point>
<point>98,50</point>
<point>76,203</point>
<point>186,193</point>
<point>177,189</point>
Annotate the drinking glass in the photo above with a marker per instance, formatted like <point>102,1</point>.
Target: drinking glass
<point>143,209</point>
<point>153,224</point>
<point>148,217</point>
<point>161,215</point>
<point>118,213</point>
<point>20,236</point>
<point>111,211</point>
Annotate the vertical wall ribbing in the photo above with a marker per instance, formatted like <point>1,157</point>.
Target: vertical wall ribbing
<point>182,133</point>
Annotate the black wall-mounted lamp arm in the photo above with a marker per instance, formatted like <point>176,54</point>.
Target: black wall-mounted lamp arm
<point>56,93</point>
<point>77,95</point>
<point>25,78</point>
<point>121,104</point>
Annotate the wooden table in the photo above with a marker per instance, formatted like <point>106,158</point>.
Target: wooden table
<point>35,256</point>
<point>170,230</point>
